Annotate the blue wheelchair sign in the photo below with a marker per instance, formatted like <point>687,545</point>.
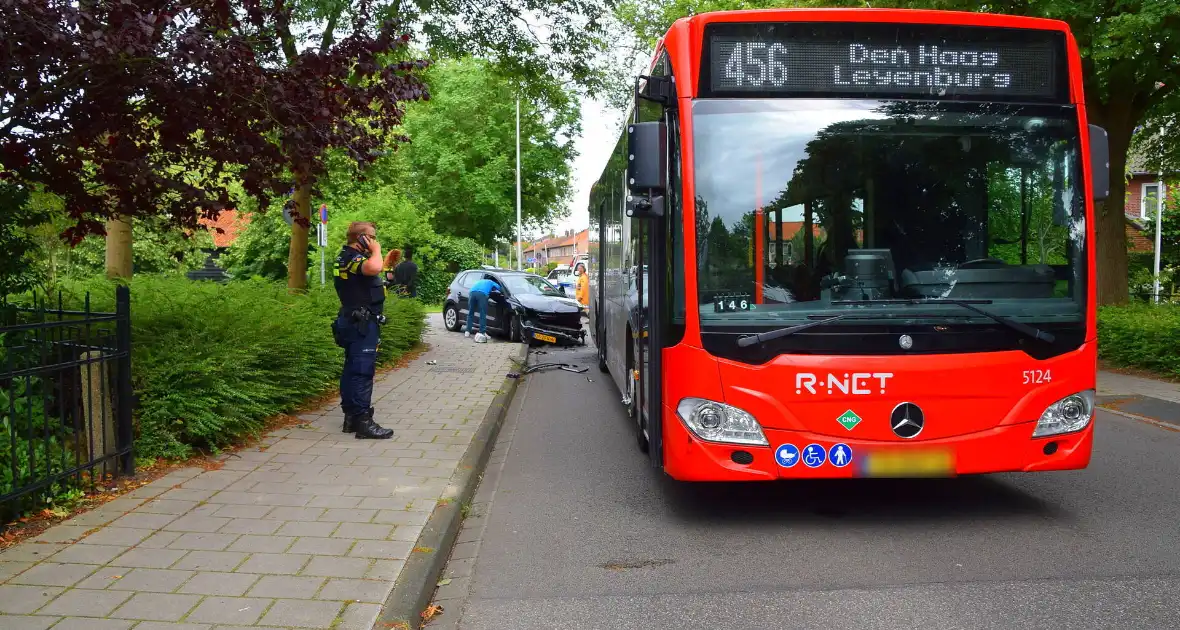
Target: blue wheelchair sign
<point>814,456</point>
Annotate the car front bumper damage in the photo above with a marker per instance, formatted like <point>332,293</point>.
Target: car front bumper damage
<point>548,333</point>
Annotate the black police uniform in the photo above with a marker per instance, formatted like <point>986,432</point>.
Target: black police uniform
<point>362,299</point>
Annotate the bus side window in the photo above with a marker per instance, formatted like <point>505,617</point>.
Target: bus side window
<point>675,225</point>
<point>674,221</point>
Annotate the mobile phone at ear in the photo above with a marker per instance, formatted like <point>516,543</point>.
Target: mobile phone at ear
<point>364,241</point>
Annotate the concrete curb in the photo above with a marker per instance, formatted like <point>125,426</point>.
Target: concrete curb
<point>419,577</point>
<point>1143,419</point>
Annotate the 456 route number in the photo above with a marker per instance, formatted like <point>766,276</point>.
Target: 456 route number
<point>756,64</point>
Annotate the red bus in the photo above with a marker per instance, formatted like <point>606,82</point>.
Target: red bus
<point>843,243</point>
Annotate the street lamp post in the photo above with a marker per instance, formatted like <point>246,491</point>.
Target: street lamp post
<point>519,236</point>
<point>1159,214</point>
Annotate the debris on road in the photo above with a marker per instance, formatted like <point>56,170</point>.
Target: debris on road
<point>567,367</point>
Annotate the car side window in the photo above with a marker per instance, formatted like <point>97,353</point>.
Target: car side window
<point>503,289</point>
<point>468,280</point>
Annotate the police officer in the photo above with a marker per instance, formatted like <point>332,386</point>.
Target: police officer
<point>362,298</point>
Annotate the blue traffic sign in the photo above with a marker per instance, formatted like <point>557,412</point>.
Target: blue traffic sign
<point>814,456</point>
<point>787,455</point>
<point>840,455</point>
<point>324,213</point>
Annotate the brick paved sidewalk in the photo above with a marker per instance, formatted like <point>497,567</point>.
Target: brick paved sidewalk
<point>308,531</point>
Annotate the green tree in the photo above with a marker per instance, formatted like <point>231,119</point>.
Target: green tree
<point>262,249</point>
<point>531,41</point>
<point>399,222</point>
<point>154,249</point>
<point>461,160</point>
<point>1130,68</point>
<point>19,270</point>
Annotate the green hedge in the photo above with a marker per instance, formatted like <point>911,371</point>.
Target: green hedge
<point>212,361</point>
<point>1141,336</point>
<point>439,259</point>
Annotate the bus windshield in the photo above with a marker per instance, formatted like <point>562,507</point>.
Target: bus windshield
<point>812,207</point>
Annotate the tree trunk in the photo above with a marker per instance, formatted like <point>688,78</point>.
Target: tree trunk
<point>297,258</point>
<point>1110,223</point>
<point>118,253</point>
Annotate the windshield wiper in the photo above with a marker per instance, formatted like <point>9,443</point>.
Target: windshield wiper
<point>1020,327</point>
<point>745,342</point>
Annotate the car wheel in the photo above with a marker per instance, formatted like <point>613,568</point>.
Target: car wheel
<point>634,383</point>
<point>451,318</point>
<point>514,329</point>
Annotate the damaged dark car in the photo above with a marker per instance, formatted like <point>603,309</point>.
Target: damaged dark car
<point>529,308</point>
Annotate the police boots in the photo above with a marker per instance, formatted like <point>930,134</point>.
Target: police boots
<point>350,420</point>
<point>366,429</point>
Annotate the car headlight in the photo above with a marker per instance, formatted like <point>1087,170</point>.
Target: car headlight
<point>718,422</point>
<point>1070,414</point>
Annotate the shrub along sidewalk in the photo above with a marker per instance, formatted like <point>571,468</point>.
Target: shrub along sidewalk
<point>1141,337</point>
<point>212,362</point>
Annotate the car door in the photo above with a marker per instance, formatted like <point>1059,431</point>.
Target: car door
<point>463,294</point>
<point>497,304</point>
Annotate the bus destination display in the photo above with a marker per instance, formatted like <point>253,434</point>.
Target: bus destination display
<point>770,60</point>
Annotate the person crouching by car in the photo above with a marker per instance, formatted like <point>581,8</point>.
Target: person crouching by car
<point>481,292</point>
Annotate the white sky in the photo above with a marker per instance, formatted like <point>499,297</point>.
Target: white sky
<point>599,133</point>
<point>594,147</point>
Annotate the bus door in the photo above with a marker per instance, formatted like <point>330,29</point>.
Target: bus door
<point>647,176</point>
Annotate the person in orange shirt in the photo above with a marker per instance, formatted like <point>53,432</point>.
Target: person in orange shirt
<point>583,286</point>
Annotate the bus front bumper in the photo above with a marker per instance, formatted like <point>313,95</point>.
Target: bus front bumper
<point>1009,448</point>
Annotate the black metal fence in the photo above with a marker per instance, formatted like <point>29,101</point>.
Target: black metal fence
<point>65,398</point>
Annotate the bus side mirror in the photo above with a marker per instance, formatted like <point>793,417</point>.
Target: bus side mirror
<point>647,152</point>
<point>1099,164</point>
<point>647,168</point>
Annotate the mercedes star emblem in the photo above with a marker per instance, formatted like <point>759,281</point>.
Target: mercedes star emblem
<point>906,420</point>
<point>906,342</point>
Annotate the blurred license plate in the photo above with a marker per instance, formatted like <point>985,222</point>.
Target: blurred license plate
<point>547,338</point>
<point>909,464</point>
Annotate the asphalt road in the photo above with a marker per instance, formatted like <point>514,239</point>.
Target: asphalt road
<point>582,533</point>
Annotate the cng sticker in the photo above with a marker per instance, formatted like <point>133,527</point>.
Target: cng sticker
<point>848,420</point>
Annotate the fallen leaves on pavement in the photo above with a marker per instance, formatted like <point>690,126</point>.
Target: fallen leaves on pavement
<point>431,612</point>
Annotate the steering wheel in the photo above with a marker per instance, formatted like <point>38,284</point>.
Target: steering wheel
<point>978,262</point>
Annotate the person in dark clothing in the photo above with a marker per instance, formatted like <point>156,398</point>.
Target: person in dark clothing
<point>357,279</point>
<point>405,275</point>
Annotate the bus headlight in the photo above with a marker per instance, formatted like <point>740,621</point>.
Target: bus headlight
<point>718,422</point>
<point>1067,415</point>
